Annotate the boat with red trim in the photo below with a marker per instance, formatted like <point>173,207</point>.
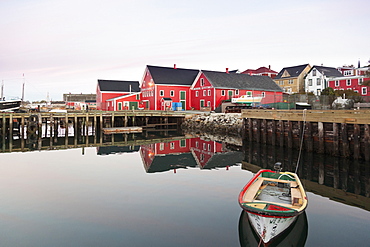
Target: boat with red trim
<point>273,200</point>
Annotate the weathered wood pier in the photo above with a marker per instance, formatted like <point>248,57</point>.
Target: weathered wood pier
<point>336,132</point>
<point>47,124</point>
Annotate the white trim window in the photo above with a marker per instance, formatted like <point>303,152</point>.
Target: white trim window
<point>201,82</point>
<point>237,92</point>
<point>161,93</point>
<point>204,92</point>
<point>172,93</point>
<point>318,82</point>
<point>348,82</point>
<point>196,93</point>
<point>209,92</point>
<point>222,92</point>
<point>364,90</point>
<point>263,94</point>
<point>360,81</point>
<point>309,82</point>
<point>337,83</point>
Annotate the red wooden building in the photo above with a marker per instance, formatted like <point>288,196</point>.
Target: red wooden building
<point>111,89</point>
<point>211,88</point>
<point>161,87</point>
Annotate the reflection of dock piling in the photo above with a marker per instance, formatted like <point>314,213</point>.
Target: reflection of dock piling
<point>340,133</point>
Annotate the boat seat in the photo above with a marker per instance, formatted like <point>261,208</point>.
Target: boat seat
<point>296,194</point>
<point>252,190</point>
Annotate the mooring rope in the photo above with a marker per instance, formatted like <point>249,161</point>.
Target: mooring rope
<point>302,137</point>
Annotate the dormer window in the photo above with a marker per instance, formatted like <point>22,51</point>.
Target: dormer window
<point>314,72</point>
<point>201,82</point>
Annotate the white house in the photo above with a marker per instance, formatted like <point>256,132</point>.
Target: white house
<point>317,78</point>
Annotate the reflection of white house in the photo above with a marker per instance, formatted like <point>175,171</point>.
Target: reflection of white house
<point>317,77</point>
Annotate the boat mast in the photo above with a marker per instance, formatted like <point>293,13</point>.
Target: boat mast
<point>2,89</point>
<point>22,90</point>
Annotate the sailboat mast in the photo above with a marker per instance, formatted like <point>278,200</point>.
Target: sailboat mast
<point>23,91</point>
<point>2,90</point>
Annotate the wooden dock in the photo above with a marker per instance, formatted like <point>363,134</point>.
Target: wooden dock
<point>34,123</point>
<point>336,132</point>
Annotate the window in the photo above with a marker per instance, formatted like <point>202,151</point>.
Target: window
<point>201,82</point>
<point>204,93</point>
<point>364,90</point>
<point>201,103</point>
<point>309,82</point>
<point>290,82</point>
<point>161,93</point>
<point>318,81</point>
<point>314,72</point>
<point>222,92</point>
<point>209,92</point>
<point>197,144</point>
<point>348,82</point>
<point>172,93</point>
<point>209,147</point>
<point>263,94</point>
<point>360,81</point>
<point>208,103</point>
<point>161,146</point>
<point>237,92</point>
<point>204,146</point>
<point>172,145</point>
<point>202,157</point>
<point>281,82</point>
<point>337,83</point>
<point>196,94</point>
<point>137,96</point>
<point>182,143</point>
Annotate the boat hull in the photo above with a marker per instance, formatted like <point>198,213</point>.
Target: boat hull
<point>269,227</point>
<point>10,105</point>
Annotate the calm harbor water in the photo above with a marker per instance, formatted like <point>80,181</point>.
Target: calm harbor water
<point>144,191</point>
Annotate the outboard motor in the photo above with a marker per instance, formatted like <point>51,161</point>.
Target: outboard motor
<point>278,167</point>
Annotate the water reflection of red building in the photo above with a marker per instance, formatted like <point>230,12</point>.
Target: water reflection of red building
<point>195,152</point>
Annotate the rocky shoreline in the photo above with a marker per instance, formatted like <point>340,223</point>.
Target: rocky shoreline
<point>219,124</point>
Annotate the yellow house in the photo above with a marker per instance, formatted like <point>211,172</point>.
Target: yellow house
<point>291,79</point>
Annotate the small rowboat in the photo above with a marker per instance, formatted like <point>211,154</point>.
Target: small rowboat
<point>273,200</point>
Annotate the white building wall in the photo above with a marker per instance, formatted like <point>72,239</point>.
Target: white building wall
<point>314,88</point>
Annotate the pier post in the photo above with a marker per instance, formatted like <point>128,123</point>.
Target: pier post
<point>66,130</point>
<point>264,131</point>
<point>87,128</point>
<point>39,119</point>
<point>101,122</point>
<point>309,137</point>
<point>250,129</point>
<point>366,142</point>
<point>345,146</point>
<point>290,134</point>
<point>258,132</point>
<point>273,132</point>
<point>320,129</point>
<point>281,133</point>
<point>75,124</point>
<point>335,139</point>
<point>356,141</point>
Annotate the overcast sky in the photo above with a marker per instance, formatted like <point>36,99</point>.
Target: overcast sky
<point>67,45</point>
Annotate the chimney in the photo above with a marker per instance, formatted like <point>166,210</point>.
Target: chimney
<point>227,70</point>
<point>174,66</point>
<point>269,66</point>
